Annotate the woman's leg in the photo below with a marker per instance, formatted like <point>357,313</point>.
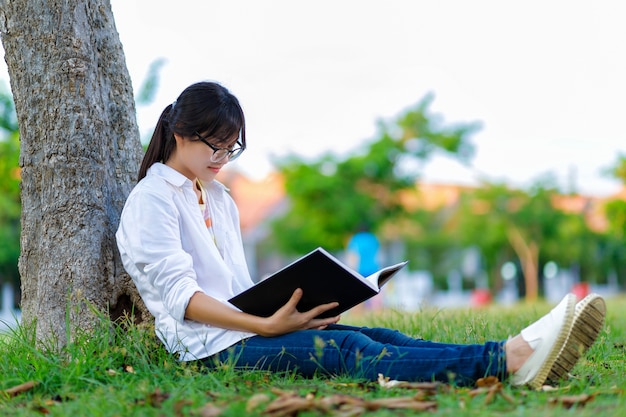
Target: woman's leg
<point>351,351</point>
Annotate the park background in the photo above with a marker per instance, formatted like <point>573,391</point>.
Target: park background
<point>537,91</point>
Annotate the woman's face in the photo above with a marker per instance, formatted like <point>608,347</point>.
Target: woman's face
<point>192,158</point>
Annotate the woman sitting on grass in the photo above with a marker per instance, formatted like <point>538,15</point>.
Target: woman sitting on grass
<point>180,241</point>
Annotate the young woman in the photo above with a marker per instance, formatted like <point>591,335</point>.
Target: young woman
<point>180,241</point>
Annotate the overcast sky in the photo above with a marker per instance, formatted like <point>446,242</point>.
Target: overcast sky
<point>546,79</point>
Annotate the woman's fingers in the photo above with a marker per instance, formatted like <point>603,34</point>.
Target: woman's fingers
<point>316,311</point>
<point>295,299</point>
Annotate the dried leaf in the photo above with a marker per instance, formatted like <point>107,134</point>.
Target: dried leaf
<point>340,400</point>
<point>569,401</point>
<point>508,398</point>
<point>385,382</point>
<point>408,403</point>
<point>156,398</point>
<point>209,410</point>
<point>290,404</point>
<point>256,400</point>
<point>129,369</point>
<point>18,389</point>
<point>477,391</point>
<point>180,405</point>
<point>492,388</point>
<point>488,381</point>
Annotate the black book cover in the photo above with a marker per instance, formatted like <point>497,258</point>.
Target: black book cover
<point>322,278</point>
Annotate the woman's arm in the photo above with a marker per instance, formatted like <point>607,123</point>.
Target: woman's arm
<point>206,309</point>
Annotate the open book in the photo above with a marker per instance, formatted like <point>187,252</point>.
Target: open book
<point>322,278</point>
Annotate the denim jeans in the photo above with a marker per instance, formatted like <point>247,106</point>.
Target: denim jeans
<point>363,352</point>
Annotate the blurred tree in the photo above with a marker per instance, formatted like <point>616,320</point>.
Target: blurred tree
<point>9,191</point>
<point>583,250</point>
<point>150,85</point>
<point>615,213</point>
<point>615,210</point>
<point>431,244</point>
<point>330,197</point>
<point>618,169</point>
<point>499,220</point>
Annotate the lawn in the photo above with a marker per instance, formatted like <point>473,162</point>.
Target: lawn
<point>122,370</point>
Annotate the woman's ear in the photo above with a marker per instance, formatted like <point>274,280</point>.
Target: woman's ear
<point>178,138</point>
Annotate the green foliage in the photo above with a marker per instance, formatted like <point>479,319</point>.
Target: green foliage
<point>431,243</point>
<point>613,248</point>
<point>616,216</point>
<point>10,206</point>
<point>331,198</point>
<point>150,85</point>
<point>492,216</point>
<point>618,169</point>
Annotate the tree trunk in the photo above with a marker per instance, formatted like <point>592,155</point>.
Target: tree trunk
<point>80,151</point>
<point>528,254</point>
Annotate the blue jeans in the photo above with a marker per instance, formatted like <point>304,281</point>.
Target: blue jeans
<point>363,352</point>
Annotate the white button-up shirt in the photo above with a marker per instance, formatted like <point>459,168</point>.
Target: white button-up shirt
<point>170,254</point>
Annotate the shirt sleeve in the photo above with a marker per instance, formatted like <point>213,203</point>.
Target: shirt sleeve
<point>150,242</point>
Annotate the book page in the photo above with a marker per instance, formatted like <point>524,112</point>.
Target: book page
<point>373,284</point>
<point>380,278</point>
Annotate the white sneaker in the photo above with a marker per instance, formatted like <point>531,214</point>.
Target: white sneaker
<point>546,336</point>
<point>589,319</point>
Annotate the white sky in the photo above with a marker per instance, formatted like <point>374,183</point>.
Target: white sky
<point>547,79</point>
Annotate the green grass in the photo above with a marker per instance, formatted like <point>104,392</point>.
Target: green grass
<point>122,370</point>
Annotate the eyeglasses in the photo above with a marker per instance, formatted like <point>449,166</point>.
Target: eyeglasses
<point>221,153</point>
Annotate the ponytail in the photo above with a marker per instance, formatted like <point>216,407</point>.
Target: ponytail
<point>161,145</point>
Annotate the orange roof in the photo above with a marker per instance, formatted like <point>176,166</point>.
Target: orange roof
<point>255,199</point>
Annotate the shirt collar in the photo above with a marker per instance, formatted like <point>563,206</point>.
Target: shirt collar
<point>168,174</point>
<point>177,179</point>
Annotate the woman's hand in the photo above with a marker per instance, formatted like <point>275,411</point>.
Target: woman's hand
<point>206,309</point>
<point>288,319</point>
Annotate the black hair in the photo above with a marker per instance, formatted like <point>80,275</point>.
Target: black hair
<point>204,108</point>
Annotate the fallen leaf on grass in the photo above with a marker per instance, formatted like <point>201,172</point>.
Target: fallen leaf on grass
<point>18,389</point>
<point>256,400</point>
<point>569,401</point>
<point>406,403</point>
<point>209,410</point>
<point>180,405</point>
<point>431,387</point>
<point>41,410</point>
<point>157,397</point>
<point>290,404</point>
<point>154,399</point>
<point>491,387</point>
<point>488,381</point>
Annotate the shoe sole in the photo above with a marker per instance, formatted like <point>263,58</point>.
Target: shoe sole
<point>540,378</point>
<point>588,321</point>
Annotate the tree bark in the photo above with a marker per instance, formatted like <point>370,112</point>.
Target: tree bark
<point>80,151</point>
<point>528,253</point>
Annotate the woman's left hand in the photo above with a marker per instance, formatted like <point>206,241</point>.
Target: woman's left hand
<point>288,319</point>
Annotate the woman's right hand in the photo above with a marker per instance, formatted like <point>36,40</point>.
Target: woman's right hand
<point>288,319</point>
